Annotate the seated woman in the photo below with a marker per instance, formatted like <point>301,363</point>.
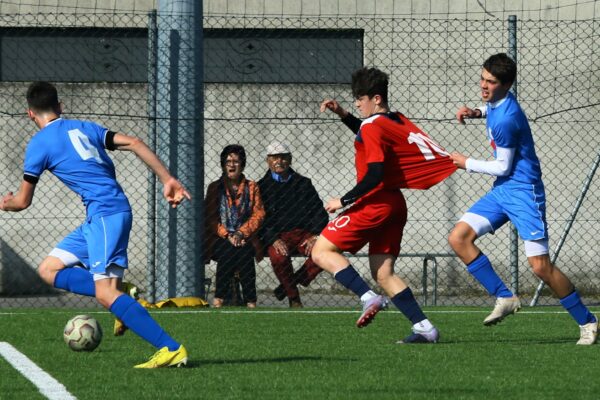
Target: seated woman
<point>234,214</point>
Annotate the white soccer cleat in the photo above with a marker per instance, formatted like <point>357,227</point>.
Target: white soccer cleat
<point>370,308</point>
<point>418,336</point>
<point>588,333</point>
<point>504,307</point>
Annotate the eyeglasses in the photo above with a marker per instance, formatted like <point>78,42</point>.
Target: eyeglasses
<point>233,162</point>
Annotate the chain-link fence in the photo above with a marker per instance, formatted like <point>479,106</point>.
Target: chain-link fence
<point>254,95</point>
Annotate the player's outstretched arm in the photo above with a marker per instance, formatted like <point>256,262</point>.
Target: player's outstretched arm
<point>466,112</point>
<point>173,190</point>
<point>333,106</point>
<point>20,201</point>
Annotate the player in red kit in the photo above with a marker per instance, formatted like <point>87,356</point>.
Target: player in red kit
<point>391,153</point>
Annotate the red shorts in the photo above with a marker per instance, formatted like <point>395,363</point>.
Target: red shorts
<point>377,219</point>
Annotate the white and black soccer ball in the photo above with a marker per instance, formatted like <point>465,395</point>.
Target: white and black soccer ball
<point>82,333</point>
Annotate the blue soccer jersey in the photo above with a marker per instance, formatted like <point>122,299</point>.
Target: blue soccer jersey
<point>507,127</point>
<point>74,151</point>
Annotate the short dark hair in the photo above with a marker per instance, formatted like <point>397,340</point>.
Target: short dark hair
<point>233,149</point>
<point>502,67</point>
<point>42,96</point>
<point>370,81</point>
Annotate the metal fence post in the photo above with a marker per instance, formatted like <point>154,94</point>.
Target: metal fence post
<point>179,266</point>
<point>514,237</point>
<point>151,235</point>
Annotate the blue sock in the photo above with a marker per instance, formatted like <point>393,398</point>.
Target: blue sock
<point>137,318</point>
<point>405,302</point>
<point>75,280</point>
<point>580,313</point>
<point>352,280</point>
<point>481,269</point>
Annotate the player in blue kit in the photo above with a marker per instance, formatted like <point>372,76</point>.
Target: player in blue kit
<point>517,195</point>
<point>75,152</point>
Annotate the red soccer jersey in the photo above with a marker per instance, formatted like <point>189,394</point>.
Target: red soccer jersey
<point>411,159</point>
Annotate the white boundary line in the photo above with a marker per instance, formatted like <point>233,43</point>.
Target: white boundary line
<point>285,311</point>
<point>47,385</point>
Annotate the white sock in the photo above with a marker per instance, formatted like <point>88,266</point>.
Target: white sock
<point>368,296</point>
<point>423,326</point>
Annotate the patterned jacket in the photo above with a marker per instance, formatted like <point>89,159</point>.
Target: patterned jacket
<point>214,227</point>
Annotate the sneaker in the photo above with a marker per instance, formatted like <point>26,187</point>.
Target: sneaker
<point>119,328</point>
<point>370,309</point>
<point>588,333</point>
<point>296,303</point>
<point>165,358</point>
<point>504,307</point>
<point>430,336</point>
<point>279,293</point>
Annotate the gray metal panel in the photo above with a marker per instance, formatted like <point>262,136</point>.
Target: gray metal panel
<point>73,55</point>
<point>282,55</point>
<point>231,55</point>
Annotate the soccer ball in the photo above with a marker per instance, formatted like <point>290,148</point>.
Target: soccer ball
<point>82,333</point>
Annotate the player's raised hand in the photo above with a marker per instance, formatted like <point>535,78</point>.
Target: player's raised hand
<point>466,112</point>
<point>333,205</point>
<point>334,106</point>
<point>5,199</point>
<point>174,192</point>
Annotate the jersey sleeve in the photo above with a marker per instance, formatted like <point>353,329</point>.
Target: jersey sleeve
<point>372,138</point>
<point>105,137</point>
<point>98,134</point>
<point>36,159</point>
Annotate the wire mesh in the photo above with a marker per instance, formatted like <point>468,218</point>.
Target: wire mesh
<point>434,67</point>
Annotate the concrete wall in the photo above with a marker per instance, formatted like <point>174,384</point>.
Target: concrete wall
<point>471,9</point>
<point>434,68</point>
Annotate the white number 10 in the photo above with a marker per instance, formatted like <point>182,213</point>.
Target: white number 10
<point>82,145</point>
<point>426,145</point>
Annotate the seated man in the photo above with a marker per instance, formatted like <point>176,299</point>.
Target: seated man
<point>294,218</point>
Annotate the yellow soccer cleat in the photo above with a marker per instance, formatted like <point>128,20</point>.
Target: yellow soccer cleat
<point>120,328</point>
<point>165,358</point>
<point>131,289</point>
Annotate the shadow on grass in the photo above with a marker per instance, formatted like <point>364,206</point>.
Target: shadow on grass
<point>520,341</point>
<point>268,360</point>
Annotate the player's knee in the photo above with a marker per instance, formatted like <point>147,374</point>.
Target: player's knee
<point>456,240</point>
<point>381,279</point>
<point>105,298</point>
<point>461,238</point>
<point>541,272</point>
<point>541,268</point>
<point>319,255</point>
<point>46,275</point>
<point>47,271</point>
<point>103,302</point>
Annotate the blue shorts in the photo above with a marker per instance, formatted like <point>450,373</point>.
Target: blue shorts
<point>523,204</point>
<point>100,242</point>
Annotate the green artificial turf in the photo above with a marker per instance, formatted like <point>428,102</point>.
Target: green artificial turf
<point>313,354</point>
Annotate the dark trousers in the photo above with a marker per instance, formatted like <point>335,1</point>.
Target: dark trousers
<point>282,265</point>
<point>231,259</point>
